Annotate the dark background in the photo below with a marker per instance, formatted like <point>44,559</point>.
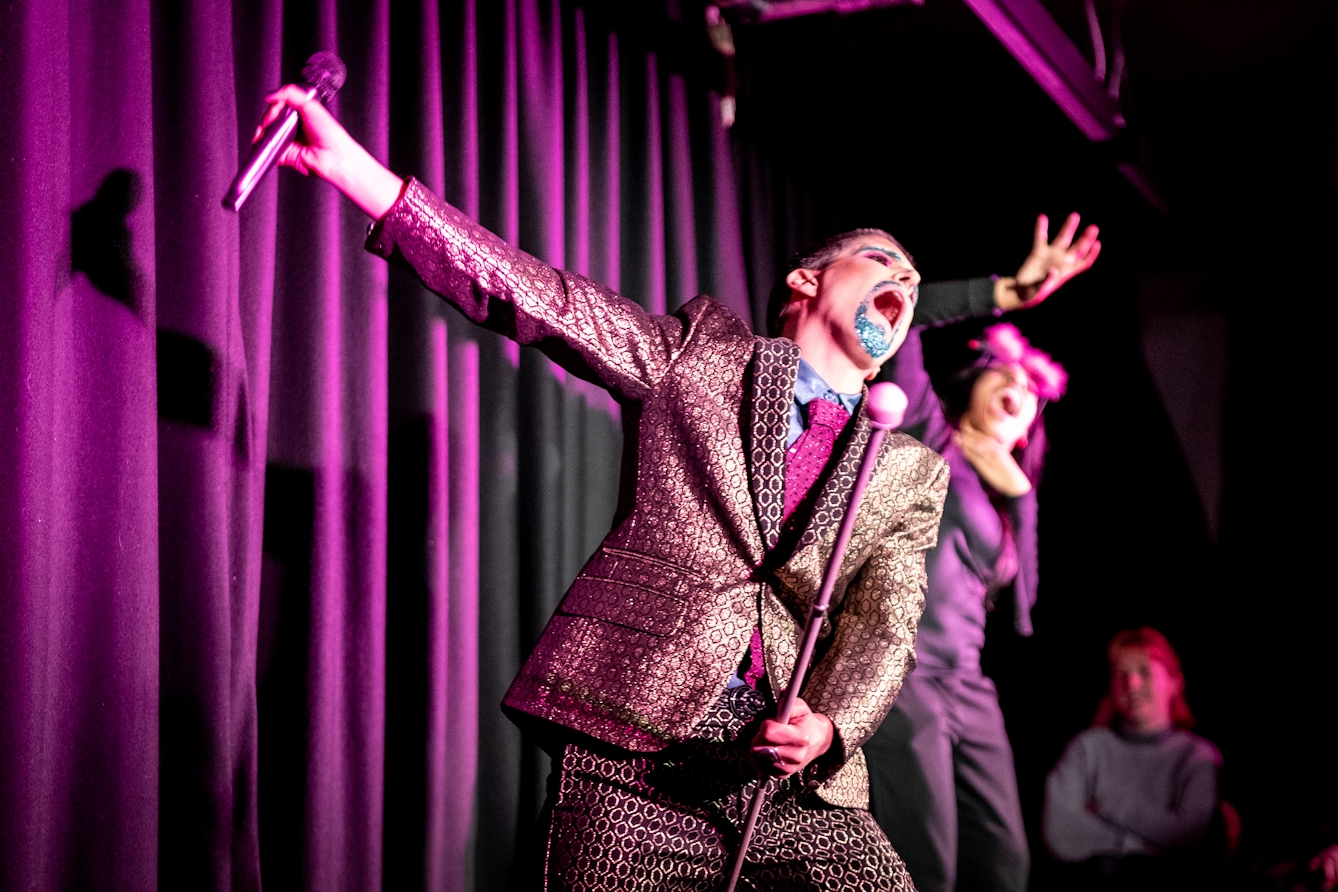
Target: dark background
<point>1188,484</point>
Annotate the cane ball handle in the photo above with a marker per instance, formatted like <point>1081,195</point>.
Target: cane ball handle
<point>887,405</point>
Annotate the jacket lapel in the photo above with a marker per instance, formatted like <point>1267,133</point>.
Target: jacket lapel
<point>775,368</point>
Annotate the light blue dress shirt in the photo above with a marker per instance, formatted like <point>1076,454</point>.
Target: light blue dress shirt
<point>807,387</point>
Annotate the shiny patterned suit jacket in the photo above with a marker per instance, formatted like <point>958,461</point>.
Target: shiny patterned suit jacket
<point>646,637</point>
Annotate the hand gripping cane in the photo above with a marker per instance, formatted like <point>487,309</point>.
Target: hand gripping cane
<point>887,405</point>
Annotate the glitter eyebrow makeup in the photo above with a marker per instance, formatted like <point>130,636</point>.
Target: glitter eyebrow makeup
<point>881,250</point>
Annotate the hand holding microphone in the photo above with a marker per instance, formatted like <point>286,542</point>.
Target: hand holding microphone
<point>323,75</point>
<point>297,131</point>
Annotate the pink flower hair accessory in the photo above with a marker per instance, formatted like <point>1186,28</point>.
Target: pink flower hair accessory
<point>1003,343</point>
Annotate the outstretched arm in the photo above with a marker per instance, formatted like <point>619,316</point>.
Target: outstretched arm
<point>324,148</point>
<point>586,328</point>
<point>1049,265</point>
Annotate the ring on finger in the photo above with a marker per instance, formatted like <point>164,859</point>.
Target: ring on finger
<point>773,754</point>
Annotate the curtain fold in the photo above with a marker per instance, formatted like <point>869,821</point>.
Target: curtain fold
<point>78,534</point>
<point>281,526</point>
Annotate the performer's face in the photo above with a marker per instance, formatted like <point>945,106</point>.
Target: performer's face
<point>1003,404</point>
<point>865,299</point>
<point>1143,690</point>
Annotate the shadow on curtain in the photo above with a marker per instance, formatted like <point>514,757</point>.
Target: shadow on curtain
<point>278,527</point>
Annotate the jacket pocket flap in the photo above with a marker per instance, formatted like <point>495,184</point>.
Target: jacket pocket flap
<point>625,604</point>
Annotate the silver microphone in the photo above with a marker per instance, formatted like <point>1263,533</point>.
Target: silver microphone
<point>323,75</point>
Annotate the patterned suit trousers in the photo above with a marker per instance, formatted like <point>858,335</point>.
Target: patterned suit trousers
<point>618,822</point>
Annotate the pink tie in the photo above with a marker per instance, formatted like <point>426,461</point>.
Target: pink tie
<point>804,461</point>
<point>808,455</point>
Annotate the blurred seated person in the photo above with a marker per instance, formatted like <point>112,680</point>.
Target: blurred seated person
<point>1131,801</point>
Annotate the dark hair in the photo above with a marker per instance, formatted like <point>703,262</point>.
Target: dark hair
<point>1155,645</point>
<point>817,257</point>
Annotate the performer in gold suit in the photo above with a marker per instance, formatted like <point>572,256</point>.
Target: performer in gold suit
<point>652,680</point>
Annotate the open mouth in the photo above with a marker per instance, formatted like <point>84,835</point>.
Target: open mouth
<point>1011,403</point>
<point>889,300</point>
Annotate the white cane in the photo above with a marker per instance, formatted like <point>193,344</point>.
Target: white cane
<point>886,407</point>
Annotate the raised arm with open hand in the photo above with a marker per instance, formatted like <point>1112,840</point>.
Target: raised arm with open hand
<point>324,148</point>
<point>1049,265</point>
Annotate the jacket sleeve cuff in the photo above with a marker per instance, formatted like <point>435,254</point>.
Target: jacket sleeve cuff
<point>380,234</point>
<point>944,302</point>
<point>824,767</point>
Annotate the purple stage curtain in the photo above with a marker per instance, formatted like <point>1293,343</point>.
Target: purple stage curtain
<point>278,526</point>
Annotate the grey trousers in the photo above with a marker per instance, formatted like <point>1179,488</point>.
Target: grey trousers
<point>943,787</point>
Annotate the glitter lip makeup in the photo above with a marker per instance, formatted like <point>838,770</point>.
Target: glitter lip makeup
<point>875,341</point>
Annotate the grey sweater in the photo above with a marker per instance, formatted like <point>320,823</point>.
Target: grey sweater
<point>1113,794</point>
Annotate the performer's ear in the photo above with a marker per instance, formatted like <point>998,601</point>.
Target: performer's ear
<point>805,281</point>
